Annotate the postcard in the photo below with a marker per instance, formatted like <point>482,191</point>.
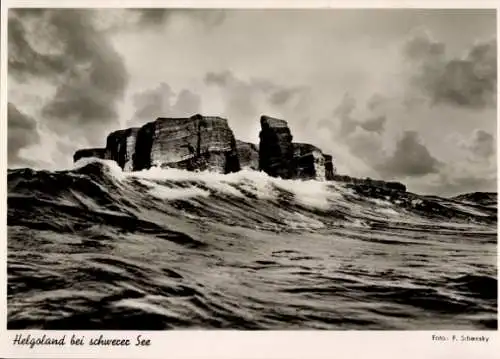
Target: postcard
<point>249,180</point>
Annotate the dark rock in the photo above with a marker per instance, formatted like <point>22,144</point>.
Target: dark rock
<point>329,168</point>
<point>371,183</point>
<point>276,148</point>
<point>194,143</point>
<point>481,198</point>
<point>89,152</point>
<point>248,154</point>
<point>395,186</point>
<point>120,147</point>
<point>309,162</point>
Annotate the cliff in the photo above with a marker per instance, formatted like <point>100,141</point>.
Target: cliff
<point>120,147</point>
<point>309,162</point>
<point>194,143</point>
<point>276,152</point>
<point>248,154</point>
<point>200,143</point>
<point>329,167</point>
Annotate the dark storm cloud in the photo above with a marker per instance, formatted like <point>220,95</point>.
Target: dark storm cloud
<point>21,132</point>
<point>376,124</point>
<point>162,101</point>
<point>421,47</point>
<point>483,144</point>
<point>282,96</point>
<point>410,158</point>
<point>344,113</point>
<point>240,95</point>
<point>90,74</point>
<point>470,81</point>
<point>221,79</point>
<point>376,102</point>
<point>23,60</point>
<point>155,16</point>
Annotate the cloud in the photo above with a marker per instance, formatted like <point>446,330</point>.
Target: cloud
<point>22,132</point>
<point>89,75</point>
<point>23,60</point>
<point>282,96</point>
<point>410,158</point>
<point>483,144</point>
<point>153,17</point>
<point>162,101</point>
<point>480,145</point>
<point>360,128</point>
<point>188,103</point>
<point>344,113</point>
<point>366,145</point>
<point>348,117</point>
<point>469,81</point>
<point>375,124</point>
<point>245,100</point>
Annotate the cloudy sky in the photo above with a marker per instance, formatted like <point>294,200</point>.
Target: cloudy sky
<point>406,95</point>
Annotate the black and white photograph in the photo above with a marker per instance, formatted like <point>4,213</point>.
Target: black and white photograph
<point>252,169</point>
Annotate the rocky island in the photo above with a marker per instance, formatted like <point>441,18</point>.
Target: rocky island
<point>200,143</point>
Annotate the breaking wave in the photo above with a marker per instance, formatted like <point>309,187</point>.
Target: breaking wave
<point>98,248</point>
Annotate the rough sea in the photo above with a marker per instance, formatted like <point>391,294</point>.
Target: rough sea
<point>97,248</point>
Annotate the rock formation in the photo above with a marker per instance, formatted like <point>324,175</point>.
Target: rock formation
<point>120,147</point>
<point>329,168</point>
<point>90,152</point>
<point>248,153</point>
<point>208,143</point>
<point>194,143</point>
<point>396,186</point>
<point>276,153</point>
<point>309,162</point>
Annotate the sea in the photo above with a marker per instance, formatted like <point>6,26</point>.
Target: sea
<point>97,248</point>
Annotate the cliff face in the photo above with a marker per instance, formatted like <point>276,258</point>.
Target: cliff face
<point>248,153</point>
<point>276,152</point>
<point>329,168</point>
<point>120,147</point>
<point>194,143</point>
<point>207,143</point>
<point>309,162</point>
<point>90,152</point>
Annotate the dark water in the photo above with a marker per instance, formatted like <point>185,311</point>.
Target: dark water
<point>93,248</point>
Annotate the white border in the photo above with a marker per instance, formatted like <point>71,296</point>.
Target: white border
<point>235,344</point>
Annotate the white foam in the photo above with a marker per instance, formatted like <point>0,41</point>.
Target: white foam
<point>177,193</point>
<point>310,193</point>
<point>114,170</point>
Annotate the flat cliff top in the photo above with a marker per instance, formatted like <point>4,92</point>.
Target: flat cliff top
<point>305,147</point>
<point>180,121</point>
<point>125,131</point>
<point>267,121</point>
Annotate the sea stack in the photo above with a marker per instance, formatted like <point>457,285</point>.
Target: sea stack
<point>276,148</point>
<point>309,162</point>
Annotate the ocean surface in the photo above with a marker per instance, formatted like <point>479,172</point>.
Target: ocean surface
<point>96,248</point>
